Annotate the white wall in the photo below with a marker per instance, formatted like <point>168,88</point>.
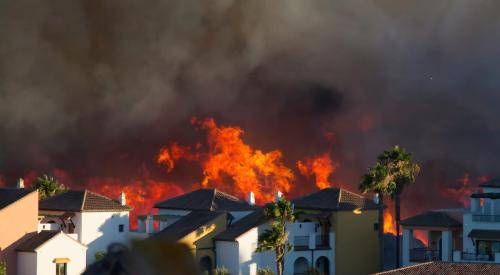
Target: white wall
<point>60,246</point>
<point>227,255</point>
<point>99,229</point>
<point>26,263</point>
<point>469,225</point>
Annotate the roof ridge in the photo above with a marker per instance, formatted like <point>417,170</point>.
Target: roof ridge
<point>339,198</point>
<point>212,204</point>
<point>84,199</point>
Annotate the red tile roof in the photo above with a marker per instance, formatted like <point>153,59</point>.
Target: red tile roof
<point>451,268</point>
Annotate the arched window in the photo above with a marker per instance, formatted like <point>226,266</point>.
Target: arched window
<point>323,265</point>
<point>300,266</point>
<point>206,265</point>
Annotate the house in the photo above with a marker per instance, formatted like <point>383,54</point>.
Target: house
<point>195,219</point>
<point>461,235</point>
<point>51,252</point>
<point>18,221</point>
<point>94,220</point>
<point>446,268</point>
<point>336,232</point>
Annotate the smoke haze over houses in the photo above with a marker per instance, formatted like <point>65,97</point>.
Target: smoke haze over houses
<point>92,90</point>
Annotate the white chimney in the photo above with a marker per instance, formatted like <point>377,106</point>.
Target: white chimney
<point>376,198</point>
<point>251,198</point>
<point>149,224</point>
<point>20,183</point>
<point>475,205</point>
<point>123,198</point>
<point>278,196</point>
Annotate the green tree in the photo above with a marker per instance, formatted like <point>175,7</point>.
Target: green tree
<point>280,213</point>
<point>393,171</point>
<point>3,268</point>
<point>265,271</point>
<point>48,186</point>
<point>221,271</point>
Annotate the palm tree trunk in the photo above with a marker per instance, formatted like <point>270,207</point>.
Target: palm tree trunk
<point>381,230</point>
<point>398,254</point>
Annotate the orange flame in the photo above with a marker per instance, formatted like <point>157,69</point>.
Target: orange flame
<point>463,191</point>
<point>421,236</point>
<point>389,223</point>
<point>229,156</point>
<point>321,167</point>
<point>141,194</point>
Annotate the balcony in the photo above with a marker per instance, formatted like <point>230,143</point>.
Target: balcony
<point>313,241</point>
<point>424,255</point>
<point>473,257</point>
<point>486,218</point>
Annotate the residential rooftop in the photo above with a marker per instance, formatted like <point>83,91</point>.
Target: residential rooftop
<point>81,201</point>
<point>447,218</point>
<point>242,226</point>
<point>205,200</point>
<point>187,224</point>
<point>10,195</point>
<point>446,268</point>
<point>491,183</point>
<point>334,199</point>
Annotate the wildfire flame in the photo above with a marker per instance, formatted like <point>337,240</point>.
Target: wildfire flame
<point>321,167</point>
<point>230,157</point>
<point>389,223</point>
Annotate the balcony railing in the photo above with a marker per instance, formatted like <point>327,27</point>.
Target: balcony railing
<point>477,257</point>
<point>301,242</point>
<point>424,255</point>
<point>321,241</point>
<point>486,218</point>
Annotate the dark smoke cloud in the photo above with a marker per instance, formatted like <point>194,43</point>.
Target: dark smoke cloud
<point>96,87</point>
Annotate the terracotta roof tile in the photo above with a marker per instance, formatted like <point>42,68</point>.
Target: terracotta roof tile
<point>35,241</point>
<point>81,201</point>
<point>451,268</point>
<point>433,219</point>
<point>186,225</point>
<point>334,199</point>
<point>240,227</point>
<point>205,200</point>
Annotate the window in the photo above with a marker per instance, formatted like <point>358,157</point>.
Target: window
<point>375,227</point>
<point>120,228</point>
<point>61,268</point>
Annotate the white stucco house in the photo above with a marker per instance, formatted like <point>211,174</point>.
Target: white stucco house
<point>461,235</point>
<point>95,220</point>
<point>51,252</point>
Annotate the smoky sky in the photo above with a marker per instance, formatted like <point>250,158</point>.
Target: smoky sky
<point>97,87</point>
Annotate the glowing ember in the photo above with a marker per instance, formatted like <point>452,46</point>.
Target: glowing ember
<point>321,167</point>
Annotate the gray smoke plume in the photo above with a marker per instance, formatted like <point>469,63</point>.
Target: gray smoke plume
<point>97,87</point>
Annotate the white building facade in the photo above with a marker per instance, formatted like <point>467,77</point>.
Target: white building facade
<point>461,235</point>
<point>49,251</point>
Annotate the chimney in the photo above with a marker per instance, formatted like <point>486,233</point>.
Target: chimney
<point>376,198</point>
<point>123,199</point>
<point>278,196</point>
<point>20,183</point>
<point>251,198</point>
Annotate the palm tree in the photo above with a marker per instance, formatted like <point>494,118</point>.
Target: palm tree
<point>280,213</point>
<point>48,186</point>
<point>393,171</point>
<point>373,181</point>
